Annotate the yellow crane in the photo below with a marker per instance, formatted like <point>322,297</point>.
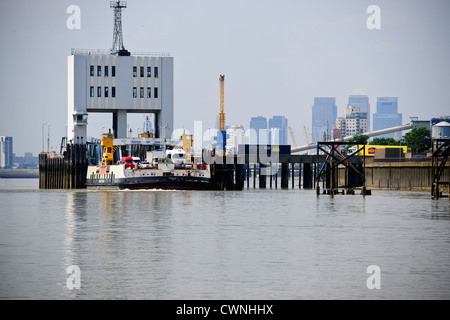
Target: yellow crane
<point>292,137</point>
<point>308,140</point>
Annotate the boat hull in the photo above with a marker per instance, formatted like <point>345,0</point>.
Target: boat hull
<point>165,183</point>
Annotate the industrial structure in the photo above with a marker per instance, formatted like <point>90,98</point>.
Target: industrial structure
<point>119,83</point>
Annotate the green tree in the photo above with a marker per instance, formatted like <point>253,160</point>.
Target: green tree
<point>418,139</point>
<point>361,139</point>
<point>384,142</point>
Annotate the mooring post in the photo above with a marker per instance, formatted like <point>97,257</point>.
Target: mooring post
<point>293,175</point>
<point>271,175</point>
<point>247,171</point>
<point>284,175</point>
<point>262,176</point>
<point>307,176</point>
<point>254,176</point>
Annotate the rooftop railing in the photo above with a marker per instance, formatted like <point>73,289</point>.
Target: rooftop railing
<point>105,52</point>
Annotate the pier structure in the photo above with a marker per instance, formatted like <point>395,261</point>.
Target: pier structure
<point>338,161</point>
<point>440,154</point>
<point>270,166</point>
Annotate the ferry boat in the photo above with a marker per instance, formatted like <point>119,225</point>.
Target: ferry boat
<point>166,168</point>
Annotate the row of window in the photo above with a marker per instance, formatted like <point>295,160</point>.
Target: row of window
<point>149,72</point>
<point>113,71</point>
<point>106,71</point>
<point>142,93</point>
<point>113,92</point>
<point>99,92</point>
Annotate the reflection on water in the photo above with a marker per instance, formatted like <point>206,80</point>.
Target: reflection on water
<point>254,244</point>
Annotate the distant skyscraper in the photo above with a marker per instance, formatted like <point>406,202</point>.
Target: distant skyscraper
<point>360,100</point>
<point>280,123</point>
<point>6,152</point>
<point>387,116</point>
<point>258,128</point>
<point>324,114</point>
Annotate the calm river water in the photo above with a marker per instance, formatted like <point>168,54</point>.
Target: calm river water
<point>251,244</point>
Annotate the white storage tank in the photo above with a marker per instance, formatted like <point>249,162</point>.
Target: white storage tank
<point>441,130</point>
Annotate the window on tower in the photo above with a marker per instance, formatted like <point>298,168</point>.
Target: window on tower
<point>92,71</point>
<point>134,72</point>
<point>99,71</point>
<point>134,92</point>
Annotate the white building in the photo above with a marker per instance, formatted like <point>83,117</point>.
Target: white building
<point>354,122</point>
<point>99,81</point>
<point>6,152</point>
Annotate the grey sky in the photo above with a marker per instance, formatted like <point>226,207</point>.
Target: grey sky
<point>276,55</point>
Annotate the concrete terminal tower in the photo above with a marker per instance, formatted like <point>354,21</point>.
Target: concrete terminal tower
<point>118,82</point>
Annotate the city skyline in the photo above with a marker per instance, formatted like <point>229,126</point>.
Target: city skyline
<point>310,48</point>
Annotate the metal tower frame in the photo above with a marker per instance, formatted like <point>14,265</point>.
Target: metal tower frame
<point>117,46</point>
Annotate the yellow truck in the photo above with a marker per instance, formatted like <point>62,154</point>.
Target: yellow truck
<point>370,149</point>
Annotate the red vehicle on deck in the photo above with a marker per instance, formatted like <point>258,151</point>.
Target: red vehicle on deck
<point>128,161</point>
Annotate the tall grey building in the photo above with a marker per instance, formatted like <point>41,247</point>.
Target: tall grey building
<point>360,100</point>
<point>387,116</point>
<point>278,130</point>
<point>258,130</point>
<point>6,152</point>
<point>324,114</point>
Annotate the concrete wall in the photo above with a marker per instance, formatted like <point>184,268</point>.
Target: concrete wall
<point>401,176</point>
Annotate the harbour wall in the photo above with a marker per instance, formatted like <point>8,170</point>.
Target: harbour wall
<point>19,173</point>
<point>67,171</point>
<point>402,176</point>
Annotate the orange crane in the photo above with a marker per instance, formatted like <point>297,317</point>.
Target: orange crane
<point>222,104</point>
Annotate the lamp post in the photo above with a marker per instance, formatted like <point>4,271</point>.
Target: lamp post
<point>48,137</point>
<point>43,124</point>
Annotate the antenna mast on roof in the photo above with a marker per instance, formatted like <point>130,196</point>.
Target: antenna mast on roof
<point>117,47</point>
